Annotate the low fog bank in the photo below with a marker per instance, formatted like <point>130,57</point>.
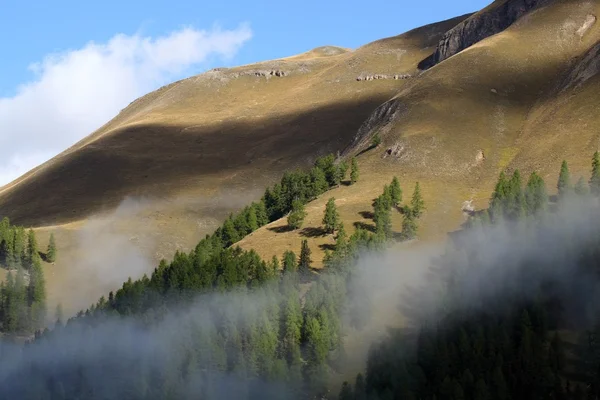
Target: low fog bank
<point>130,241</point>
<point>397,288</point>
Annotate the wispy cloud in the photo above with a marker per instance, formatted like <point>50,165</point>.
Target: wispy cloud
<point>76,91</point>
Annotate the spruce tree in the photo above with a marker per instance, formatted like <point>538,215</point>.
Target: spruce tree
<point>331,218</point>
<point>354,171</point>
<point>295,218</point>
<point>409,225</point>
<point>343,170</point>
<point>382,216</point>
<point>396,192</point>
<point>289,261</point>
<point>304,262</point>
<point>32,251</point>
<point>564,180</point>
<point>595,178</point>
<point>536,196</point>
<point>51,251</point>
<point>417,204</point>
<point>341,241</point>
<point>498,201</point>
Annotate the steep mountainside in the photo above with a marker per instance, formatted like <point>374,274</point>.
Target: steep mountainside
<point>513,86</point>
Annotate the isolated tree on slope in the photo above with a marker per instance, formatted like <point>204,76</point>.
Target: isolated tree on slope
<point>564,180</point>
<point>417,204</point>
<point>353,171</point>
<point>595,178</point>
<point>304,262</point>
<point>296,216</point>
<point>51,252</point>
<point>331,218</point>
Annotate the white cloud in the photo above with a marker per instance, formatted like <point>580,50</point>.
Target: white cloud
<point>76,92</point>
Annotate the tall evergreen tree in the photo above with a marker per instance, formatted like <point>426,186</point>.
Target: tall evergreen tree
<point>396,192</point>
<point>382,216</point>
<point>289,261</point>
<point>498,201</point>
<point>343,170</point>
<point>409,225</point>
<point>564,180</point>
<point>304,262</point>
<point>417,204</point>
<point>295,218</point>
<point>536,196</point>
<point>595,178</point>
<point>354,173</point>
<point>32,251</point>
<point>51,251</point>
<point>331,218</point>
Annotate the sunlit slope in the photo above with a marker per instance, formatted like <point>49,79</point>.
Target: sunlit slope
<point>224,128</point>
<point>188,154</point>
<point>525,98</point>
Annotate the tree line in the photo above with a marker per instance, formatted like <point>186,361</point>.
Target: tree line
<point>23,293</point>
<point>503,347</point>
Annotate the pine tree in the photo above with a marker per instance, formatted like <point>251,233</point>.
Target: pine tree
<point>304,262</point>
<point>409,225</point>
<point>498,201</point>
<point>295,218</point>
<point>252,219</point>
<point>354,171</point>
<point>536,197</point>
<point>595,178</point>
<point>564,180</point>
<point>32,251</point>
<point>417,204</point>
<point>396,192</point>
<point>51,252</point>
<point>580,187</point>
<point>341,241</point>
<point>289,261</point>
<point>331,217</point>
<point>382,216</point>
<point>343,170</point>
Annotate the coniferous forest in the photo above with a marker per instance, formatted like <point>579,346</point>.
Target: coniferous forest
<point>220,322</point>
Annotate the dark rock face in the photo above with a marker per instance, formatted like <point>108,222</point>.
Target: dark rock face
<point>479,27</point>
<point>586,68</point>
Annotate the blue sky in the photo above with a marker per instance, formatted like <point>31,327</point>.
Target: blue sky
<point>167,42</point>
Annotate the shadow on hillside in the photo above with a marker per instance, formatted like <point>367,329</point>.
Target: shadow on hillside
<point>43,256</point>
<point>157,159</point>
<point>366,214</point>
<point>312,232</point>
<point>365,226</point>
<point>281,229</point>
<point>327,246</point>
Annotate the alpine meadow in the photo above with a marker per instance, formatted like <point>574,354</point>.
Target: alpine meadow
<point>416,218</point>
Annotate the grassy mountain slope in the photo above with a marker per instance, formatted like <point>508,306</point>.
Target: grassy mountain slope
<point>191,152</point>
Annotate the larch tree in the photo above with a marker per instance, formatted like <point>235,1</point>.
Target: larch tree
<point>304,262</point>
<point>295,218</point>
<point>354,174</point>
<point>396,192</point>
<point>51,251</point>
<point>343,170</point>
<point>331,218</point>
<point>417,204</point>
<point>564,180</point>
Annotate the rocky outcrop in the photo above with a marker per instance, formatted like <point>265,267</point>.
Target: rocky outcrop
<point>264,73</point>
<point>377,121</point>
<point>484,24</point>
<point>382,76</point>
<point>585,68</point>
